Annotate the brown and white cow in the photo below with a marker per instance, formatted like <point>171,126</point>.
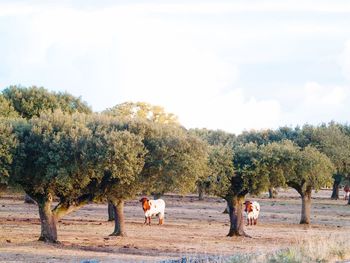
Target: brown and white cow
<point>252,209</point>
<point>153,208</point>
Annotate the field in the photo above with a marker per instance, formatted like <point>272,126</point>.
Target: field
<point>192,229</point>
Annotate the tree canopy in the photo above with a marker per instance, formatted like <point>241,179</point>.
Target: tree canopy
<point>142,110</point>
<point>32,101</point>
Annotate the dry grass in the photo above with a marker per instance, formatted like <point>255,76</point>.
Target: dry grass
<point>322,249</point>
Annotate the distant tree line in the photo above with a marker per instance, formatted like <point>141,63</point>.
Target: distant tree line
<point>57,149</point>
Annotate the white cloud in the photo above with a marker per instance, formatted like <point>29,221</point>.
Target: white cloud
<point>344,60</point>
<point>233,112</point>
<point>317,103</point>
<point>166,55</point>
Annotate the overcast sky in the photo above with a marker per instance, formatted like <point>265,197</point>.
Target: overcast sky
<point>230,65</point>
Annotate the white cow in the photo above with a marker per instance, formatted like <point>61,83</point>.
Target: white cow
<point>153,208</point>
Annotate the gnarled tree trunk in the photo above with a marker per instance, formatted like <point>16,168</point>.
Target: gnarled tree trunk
<point>48,221</point>
<point>119,223</point>
<point>110,211</point>
<point>235,211</point>
<point>335,193</point>
<point>200,192</point>
<point>272,192</point>
<point>305,207</point>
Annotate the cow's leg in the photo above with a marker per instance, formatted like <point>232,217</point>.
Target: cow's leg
<point>161,220</point>
<point>149,220</point>
<point>145,220</point>
<point>255,221</point>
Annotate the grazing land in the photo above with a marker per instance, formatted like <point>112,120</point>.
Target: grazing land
<point>192,228</point>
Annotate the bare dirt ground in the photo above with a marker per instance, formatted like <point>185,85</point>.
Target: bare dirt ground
<point>191,227</point>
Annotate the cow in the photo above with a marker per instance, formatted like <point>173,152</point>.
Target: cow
<point>252,210</point>
<point>153,208</point>
<point>346,192</point>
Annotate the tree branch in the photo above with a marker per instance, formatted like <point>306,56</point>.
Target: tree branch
<point>65,208</point>
<point>296,186</point>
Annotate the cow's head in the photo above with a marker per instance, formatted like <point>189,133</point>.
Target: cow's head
<point>248,206</point>
<point>145,204</point>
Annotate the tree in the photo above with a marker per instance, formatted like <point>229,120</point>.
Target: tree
<point>333,141</point>
<point>212,138</point>
<point>60,156</point>
<point>250,176</point>
<point>6,109</point>
<point>124,154</point>
<point>174,159</point>
<point>8,144</point>
<point>7,140</point>
<point>220,170</point>
<point>215,137</point>
<point>143,111</point>
<point>302,169</point>
<point>32,101</point>
<point>313,170</point>
<point>140,111</point>
<point>173,162</point>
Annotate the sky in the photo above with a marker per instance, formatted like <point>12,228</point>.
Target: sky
<point>228,65</point>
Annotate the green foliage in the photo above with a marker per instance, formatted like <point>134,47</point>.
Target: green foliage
<point>32,101</point>
<point>220,171</point>
<point>122,156</point>
<point>54,155</point>
<point>314,168</point>
<point>279,159</point>
<point>142,110</point>
<point>175,160</point>
<point>8,144</point>
<point>217,137</point>
<point>6,109</point>
<point>251,173</point>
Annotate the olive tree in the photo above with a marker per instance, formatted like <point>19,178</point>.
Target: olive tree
<point>173,161</point>
<point>141,112</point>
<point>8,145</point>
<point>32,101</point>
<point>60,156</point>
<point>124,155</point>
<point>215,140</point>
<point>313,170</point>
<point>7,140</point>
<point>302,169</point>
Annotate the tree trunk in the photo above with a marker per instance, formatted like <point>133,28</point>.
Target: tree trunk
<point>156,195</point>
<point>335,192</point>
<point>119,223</point>
<point>28,199</point>
<point>272,192</point>
<point>2,188</point>
<point>200,192</point>
<point>235,207</point>
<point>305,207</point>
<point>110,211</point>
<point>48,221</point>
